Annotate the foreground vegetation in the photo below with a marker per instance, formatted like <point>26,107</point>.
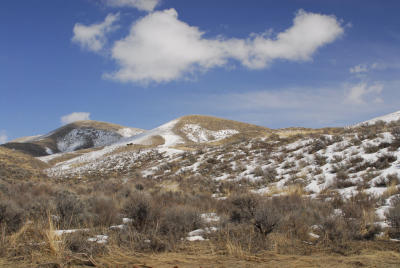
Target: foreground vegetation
<point>250,228</point>
<point>246,203</point>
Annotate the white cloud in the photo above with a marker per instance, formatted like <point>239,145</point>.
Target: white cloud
<point>361,68</point>
<point>162,48</point>
<point>93,37</point>
<point>361,93</point>
<point>145,5</point>
<point>3,137</point>
<point>73,117</point>
<point>364,68</point>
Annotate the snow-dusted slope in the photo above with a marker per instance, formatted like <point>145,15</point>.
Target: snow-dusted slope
<point>199,134</point>
<point>86,138</point>
<point>72,137</point>
<point>163,140</point>
<point>385,118</point>
<point>166,132</point>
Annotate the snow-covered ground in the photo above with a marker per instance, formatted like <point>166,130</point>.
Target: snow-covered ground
<point>385,118</point>
<point>199,134</point>
<point>345,164</point>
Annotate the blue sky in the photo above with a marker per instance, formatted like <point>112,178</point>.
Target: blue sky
<point>142,63</point>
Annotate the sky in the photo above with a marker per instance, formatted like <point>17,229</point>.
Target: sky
<point>141,63</point>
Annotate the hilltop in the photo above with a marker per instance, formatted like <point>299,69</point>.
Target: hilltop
<point>72,137</point>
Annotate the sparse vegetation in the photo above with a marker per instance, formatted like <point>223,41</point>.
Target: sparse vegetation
<point>299,192</point>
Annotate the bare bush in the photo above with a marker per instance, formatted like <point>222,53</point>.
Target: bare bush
<point>393,217</point>
<point>103,211</point>
<point>176,222</point>
<point>70,209</point>
<point>243,207</point>
<point>320,160</point>
<point>266,218</point>
<point>11,216</point>
<point>371,148</point>
<point>138,208</point>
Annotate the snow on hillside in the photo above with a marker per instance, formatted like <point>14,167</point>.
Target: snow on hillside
<point>343,164</point>
<point>86,138</point>
<point>103,160</point>
<point>196,133</point>
<point>129,132</point>
<point>385,118</point>
<point>165,131</point>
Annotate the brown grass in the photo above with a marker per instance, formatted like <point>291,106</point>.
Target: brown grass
<point>16,165</point>
<point>215,124</point>
<point>205,256</point>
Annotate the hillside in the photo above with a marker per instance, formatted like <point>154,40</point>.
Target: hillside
<point>231,190</point>
<point>75,136</point>
<point>16,165</point>
<point>187,133</point>
<point>385,118</point>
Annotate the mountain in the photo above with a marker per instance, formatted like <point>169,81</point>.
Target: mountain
<point>75,136</point>
<point>195,130</point>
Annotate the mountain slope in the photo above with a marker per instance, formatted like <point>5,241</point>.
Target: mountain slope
<point>16,165</point>
<point>72,137</point>
<point>174,137</point>
<point>197,129</point>
<point>385,118</point>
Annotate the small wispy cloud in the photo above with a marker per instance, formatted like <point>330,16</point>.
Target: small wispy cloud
<point>145,5</point>
<point>364,68</point>
<point>73,117</point>
<point>3,137</point>
<point>362,92</point>
<point>93,37</point>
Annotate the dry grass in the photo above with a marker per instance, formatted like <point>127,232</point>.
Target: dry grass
<point>16,165</point>
<point>391,190</point>
<point>202,255</point>
<point>215,124</point>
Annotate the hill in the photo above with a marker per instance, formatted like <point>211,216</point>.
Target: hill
<point>392,117</point>
<point>16,165</point>
<point>75,136</point>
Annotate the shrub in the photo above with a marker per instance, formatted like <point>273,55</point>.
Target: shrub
<point>384,161</point>
<point>78,243</point>
<point>266,218</point>
<point>138,208</point>
<point>316,146</point>
<point>337,159</point>
<point>103,210</point>
<point>258,172</point>
<point>396,139</point>
<point>270,174</point>
<point>371,148</point>
<point>320,160</point>
<point>176,222</point>
<point>243,207</point>
<point>70,209</point>
<point>11,216</point>
<point>393,216</point>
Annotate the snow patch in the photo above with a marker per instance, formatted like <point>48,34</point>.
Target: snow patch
<point>198,134</point>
